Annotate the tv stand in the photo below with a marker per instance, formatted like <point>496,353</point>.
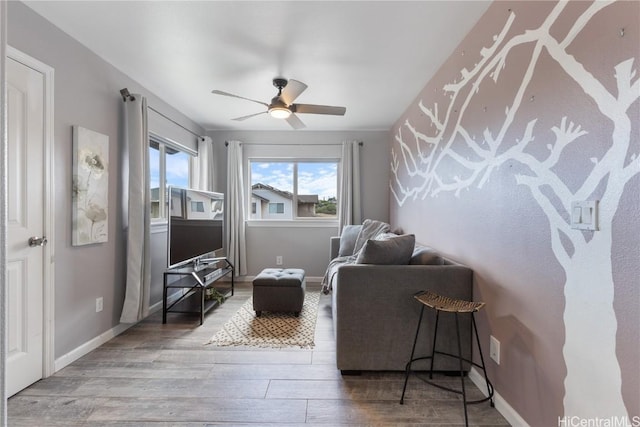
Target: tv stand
<point>203,263</point>
<point>196,279</point>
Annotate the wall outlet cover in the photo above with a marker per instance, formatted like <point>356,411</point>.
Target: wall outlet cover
<point>494,349</point>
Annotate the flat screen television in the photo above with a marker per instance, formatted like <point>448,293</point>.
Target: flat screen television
<point>196,225</point>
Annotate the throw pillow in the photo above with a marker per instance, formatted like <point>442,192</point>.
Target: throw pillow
<point>348,239</point>
<point>370,229</point>
<point>423,255</point>
<point>394,251</point>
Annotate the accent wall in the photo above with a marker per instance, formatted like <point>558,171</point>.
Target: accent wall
<point>538,108</point>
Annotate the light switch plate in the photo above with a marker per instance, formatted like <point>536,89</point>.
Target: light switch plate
<point>584,215</point>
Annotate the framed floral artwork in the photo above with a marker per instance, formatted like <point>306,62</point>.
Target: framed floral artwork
<point>90,187</point>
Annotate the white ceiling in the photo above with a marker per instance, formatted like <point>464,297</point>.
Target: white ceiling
<point>372,57</point>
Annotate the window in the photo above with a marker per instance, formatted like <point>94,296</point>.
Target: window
<point>276,208</point>
<point>300,189</point>
<point>168,165</point>
<point>197,207</point>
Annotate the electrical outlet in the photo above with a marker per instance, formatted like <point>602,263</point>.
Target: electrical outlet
<point>99,305</point>
<point>279,260</point>
<point>494,349</point>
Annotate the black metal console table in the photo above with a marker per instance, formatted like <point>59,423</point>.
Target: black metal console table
<point>196,279</point>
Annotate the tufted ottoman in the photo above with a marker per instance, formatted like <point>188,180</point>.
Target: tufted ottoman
<point>278,289</point>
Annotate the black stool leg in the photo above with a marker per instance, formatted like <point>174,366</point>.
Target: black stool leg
<point>464,394</point>
<point>484,370</point>
<point>433,348</point>
<point>413,350</point>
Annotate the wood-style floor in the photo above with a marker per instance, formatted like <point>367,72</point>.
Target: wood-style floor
<point>163,375</point>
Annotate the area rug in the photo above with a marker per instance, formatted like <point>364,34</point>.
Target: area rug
<point>277,330</point>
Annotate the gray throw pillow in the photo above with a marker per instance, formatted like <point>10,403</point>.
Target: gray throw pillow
<point>348,239</point>
<point>423,255</point>
<point>394,251</point>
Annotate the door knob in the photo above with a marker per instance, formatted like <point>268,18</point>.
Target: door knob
<point>37,241</point>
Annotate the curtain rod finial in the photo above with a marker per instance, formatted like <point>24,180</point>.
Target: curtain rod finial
<point>126,95</point>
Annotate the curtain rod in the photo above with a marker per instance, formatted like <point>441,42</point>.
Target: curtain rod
<point>126,95</point>
<point>226,143</point>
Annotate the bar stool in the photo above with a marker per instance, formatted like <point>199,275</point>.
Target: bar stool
<point>445,304</point>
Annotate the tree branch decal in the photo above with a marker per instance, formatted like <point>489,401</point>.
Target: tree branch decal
<point>448,159</point>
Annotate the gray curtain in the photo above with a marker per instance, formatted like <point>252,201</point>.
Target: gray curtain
<point>350,200</point>
<point>136,207</point>
<point>202,166</point>
<point>235,228</point>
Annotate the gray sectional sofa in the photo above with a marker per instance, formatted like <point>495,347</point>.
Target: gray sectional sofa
<point>374,312</point>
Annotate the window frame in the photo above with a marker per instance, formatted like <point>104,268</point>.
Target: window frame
<point>327,150</point>
<point>164,144</point>
<point>295,161</point>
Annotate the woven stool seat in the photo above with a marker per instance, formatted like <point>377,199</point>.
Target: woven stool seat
<point>447,304</point>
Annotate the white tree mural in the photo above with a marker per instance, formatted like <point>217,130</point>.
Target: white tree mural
<point>422,167</point>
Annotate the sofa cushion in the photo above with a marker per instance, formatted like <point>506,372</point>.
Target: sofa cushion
<point>348,239</point>
<point>393,251</point>
<point>424,255</point>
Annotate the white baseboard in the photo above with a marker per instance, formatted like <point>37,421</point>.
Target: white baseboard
<point>96,342</point>
<point>89,346</point>
<point>502,405</point>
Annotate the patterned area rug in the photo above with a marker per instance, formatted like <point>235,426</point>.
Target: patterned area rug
<point>270,329</point>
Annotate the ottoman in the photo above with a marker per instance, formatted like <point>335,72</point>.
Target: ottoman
<point>279,289</point>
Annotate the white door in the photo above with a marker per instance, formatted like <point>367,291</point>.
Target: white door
<point>25,221</point>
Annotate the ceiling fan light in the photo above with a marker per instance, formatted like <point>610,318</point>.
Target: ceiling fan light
<point>279,112</point>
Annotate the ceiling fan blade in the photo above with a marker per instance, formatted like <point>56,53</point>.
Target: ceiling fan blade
<point>239,119</point>
<point>318,109</point>
<point>220,92</point>
<point>295,122</point>
<point>292,90</point>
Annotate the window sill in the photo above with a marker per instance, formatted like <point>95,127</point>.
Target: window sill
<point>292,223</point>
<point>159,226</point>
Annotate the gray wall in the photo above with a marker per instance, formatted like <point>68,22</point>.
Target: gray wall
<point>308,247</point>
<point>86,94</point>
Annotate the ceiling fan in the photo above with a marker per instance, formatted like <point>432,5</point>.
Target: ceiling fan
<point>282,106</point>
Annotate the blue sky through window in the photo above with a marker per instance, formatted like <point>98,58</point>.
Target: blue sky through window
<point>313,177</point>
<point>177,169</point>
